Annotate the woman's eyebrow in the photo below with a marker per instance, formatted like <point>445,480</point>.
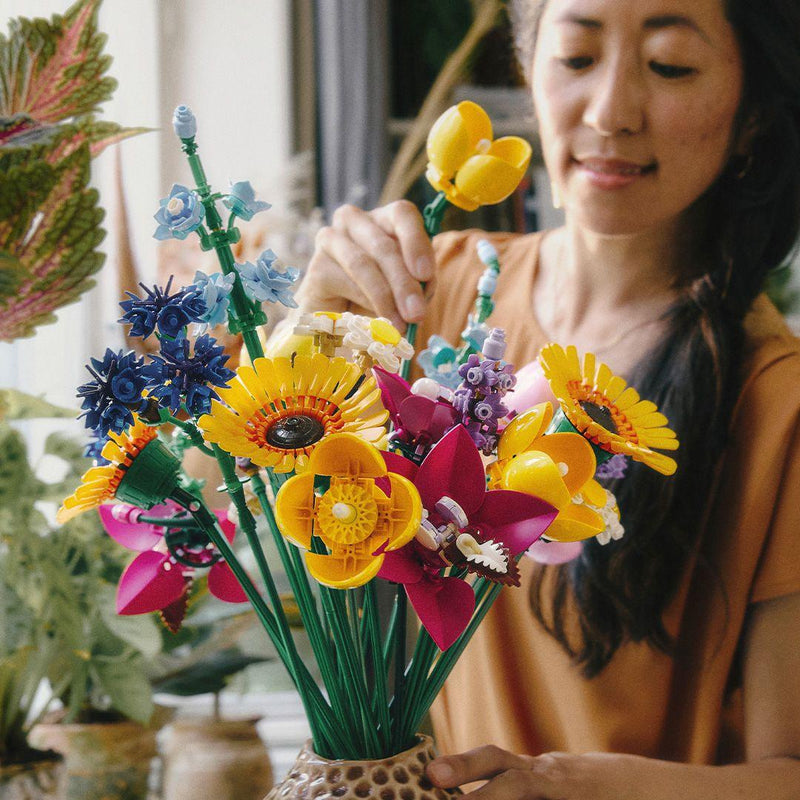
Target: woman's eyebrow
<point>675,21</point>
<point>651,23</point>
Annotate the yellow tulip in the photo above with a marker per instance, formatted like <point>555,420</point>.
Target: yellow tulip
<point>467,165</point>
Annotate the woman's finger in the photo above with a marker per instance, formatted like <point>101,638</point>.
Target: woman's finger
<point>482,763</point>
<point>362,270</point>
<point>326,287</point>
<point>384,248</point>
<point>403,221</point>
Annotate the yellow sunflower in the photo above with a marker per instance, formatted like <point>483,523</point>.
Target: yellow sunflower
<point>276,411</point>
<point>608,412</point>
<point>142,471</point>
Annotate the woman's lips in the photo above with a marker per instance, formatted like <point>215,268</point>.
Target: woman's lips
<point>613,173</point>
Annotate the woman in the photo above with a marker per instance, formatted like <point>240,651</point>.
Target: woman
<point>671,132</point>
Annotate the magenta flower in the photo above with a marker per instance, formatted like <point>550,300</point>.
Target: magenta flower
<point>159,578</point>
<point>420,420</point>
<point>467,527</point>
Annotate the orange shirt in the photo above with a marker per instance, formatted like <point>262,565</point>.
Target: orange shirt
<point>514,686</point>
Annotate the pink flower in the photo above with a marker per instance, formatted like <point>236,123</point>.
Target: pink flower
<point>158,579</point>
<point>468,527</point>
<point>419,420</point>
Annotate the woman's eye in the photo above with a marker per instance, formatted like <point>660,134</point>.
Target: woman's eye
<point>671,71</point>
<point>576,62</point>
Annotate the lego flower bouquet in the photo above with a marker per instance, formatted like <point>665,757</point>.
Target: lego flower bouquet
<point>432,490</point>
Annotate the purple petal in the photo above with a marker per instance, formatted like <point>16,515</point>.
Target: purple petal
<point>514,519</point>
<point>146,586</point>
<point>222,583</point>
<point>444,607</point>
<point>453,468</point>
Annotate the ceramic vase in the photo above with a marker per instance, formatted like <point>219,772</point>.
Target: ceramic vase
<point>399,777</point>
<point>223,759</point>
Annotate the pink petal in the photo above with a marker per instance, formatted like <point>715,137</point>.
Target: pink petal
<point>444,607</point>
<point>453,468</point>
<point>393,390</point>
<point>400,566</point>
<point>515,519</point>
<point>222,583</point>
<point>228,528</point>
<point>532,388</point>
<point>133,535</point>
<point>398,465</point>
<point>545,552</point>
<point>147,586</point>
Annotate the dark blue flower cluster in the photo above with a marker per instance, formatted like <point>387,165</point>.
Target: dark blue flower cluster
<point>170,313</point>
<point>115,392</point>
<point>177,373</point>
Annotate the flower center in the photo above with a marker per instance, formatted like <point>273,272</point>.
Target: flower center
<point>347,513</point>
<point>175,206</point>
<point>295,432</point>
<point>599,414</point>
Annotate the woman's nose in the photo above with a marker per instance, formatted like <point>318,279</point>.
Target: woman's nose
<point>615,104</point>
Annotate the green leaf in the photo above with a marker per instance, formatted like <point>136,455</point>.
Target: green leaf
<point>53,70</point>
<point>210,674</point>
<point>19,405</point>
<point>126,687</point>
<point>140,631</point>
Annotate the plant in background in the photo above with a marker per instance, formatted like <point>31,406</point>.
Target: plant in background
<point>52,83</point>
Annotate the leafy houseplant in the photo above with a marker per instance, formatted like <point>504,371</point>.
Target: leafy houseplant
<point>52,82</point>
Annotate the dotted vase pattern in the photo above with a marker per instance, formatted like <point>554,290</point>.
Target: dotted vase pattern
<point>400,777</point>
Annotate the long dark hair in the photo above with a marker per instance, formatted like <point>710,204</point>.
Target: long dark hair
<point>750,219</point>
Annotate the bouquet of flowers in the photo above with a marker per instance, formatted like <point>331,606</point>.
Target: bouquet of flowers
<point>435,489</point>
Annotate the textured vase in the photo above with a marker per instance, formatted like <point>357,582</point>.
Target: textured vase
<point>103,761</point>
<point>223,759</point>
<point>399,777</point>
<point>34,780</point>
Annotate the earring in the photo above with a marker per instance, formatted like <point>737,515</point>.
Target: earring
<point>748,162</point>
<point>555,195</point>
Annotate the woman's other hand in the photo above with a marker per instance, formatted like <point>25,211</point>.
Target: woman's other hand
<point>371,262</point>
<point>552,776</point>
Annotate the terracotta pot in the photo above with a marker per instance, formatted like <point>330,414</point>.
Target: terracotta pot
<point>32,780</point>
<point>400,777</point>
<point>223,759</point>
<point>103,761</point>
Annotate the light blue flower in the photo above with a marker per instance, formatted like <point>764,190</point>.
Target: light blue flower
<point>184,123</point>
<point>180,214</point>
<point>439,361</point>
<point>263,283</point>
<point>215,290</point>
<point>242,201</point>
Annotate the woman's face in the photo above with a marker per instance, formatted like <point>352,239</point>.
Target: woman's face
<point>636,101</point>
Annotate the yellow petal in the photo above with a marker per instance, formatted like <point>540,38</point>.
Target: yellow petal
<point>575,524</point>
<point>520,433</point>
<point>346,454</point>
<point>343,571</point>
<point>294,509</point>
<point>535,473</point>
<point>405,514</point>
<point>574,451</point>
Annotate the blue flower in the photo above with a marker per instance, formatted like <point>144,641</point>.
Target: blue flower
<point>184,123</point>
<point>439,361</point>
<point>179,215</point>
<point>170,313</point>
<point>176,376</point>
<point>94,449</point>
<point>115,392</point>
<point>242,201</point>
<point>215,290</point>
<point>263,283</point>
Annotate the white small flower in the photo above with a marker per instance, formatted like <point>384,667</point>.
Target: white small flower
<point>378,339</point>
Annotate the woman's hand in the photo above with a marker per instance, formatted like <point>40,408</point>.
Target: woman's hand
<point>371,262</point>
<point>552,776</point>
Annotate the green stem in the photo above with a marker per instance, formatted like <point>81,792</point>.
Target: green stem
<point>189,428</point>
<point>401,606</point>
<point>377,663</point>
<point>486,594</point>
<point>298,580</point>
